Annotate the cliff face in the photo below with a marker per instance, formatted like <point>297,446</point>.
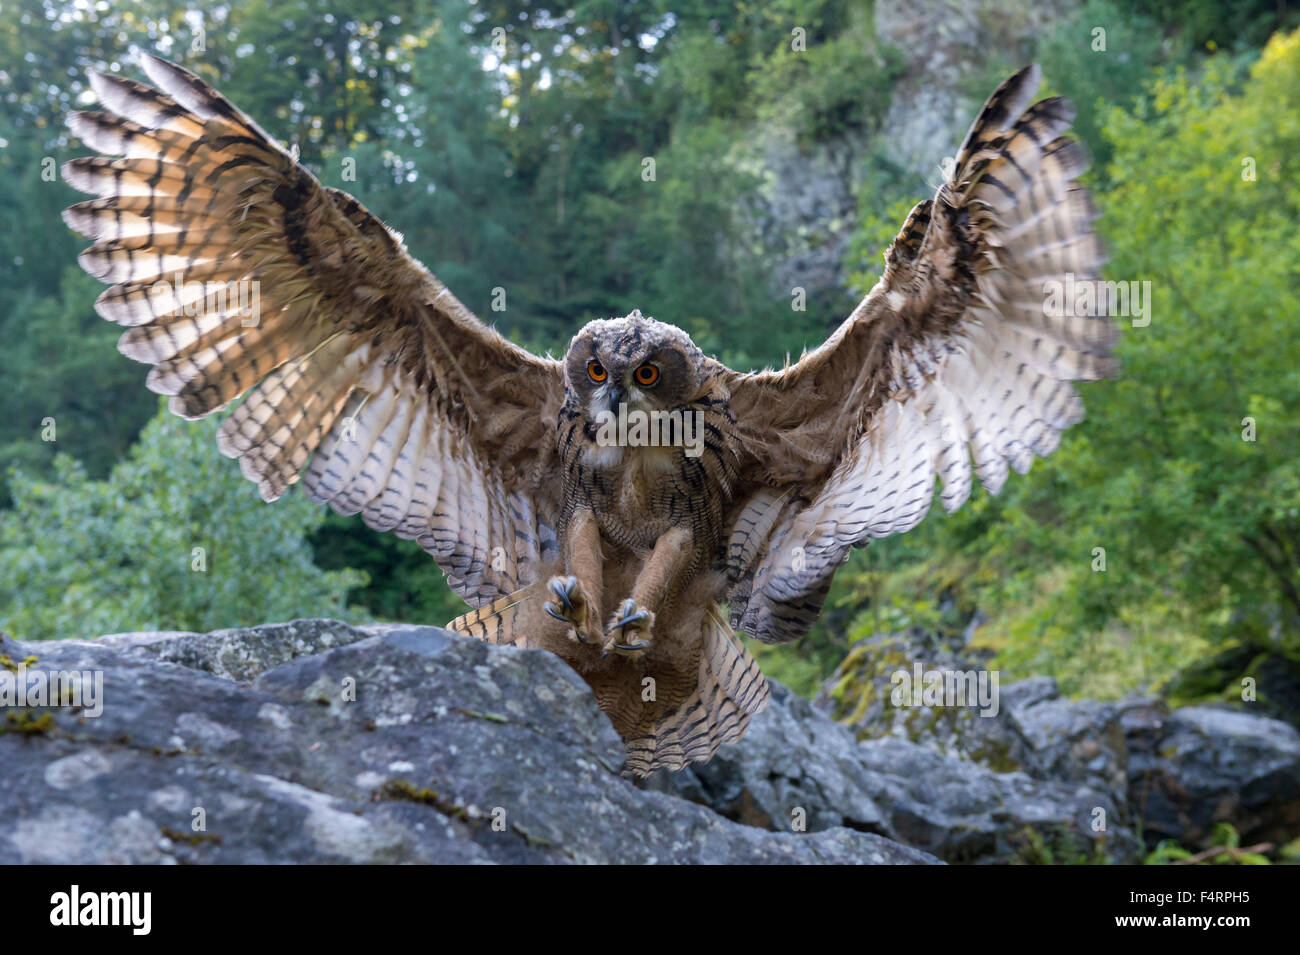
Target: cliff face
<point>947,47</point>
<point>810,204</point>
<point>317,742</point>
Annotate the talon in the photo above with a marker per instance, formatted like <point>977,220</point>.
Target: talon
<point>570,606</point>
<point>562,587</point>
<point>630,618</point>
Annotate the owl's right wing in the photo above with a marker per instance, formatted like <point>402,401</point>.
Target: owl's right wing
<point>959,355</point>
<point>236,273</point>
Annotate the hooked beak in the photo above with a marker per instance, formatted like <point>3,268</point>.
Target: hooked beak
<point>616,396</point>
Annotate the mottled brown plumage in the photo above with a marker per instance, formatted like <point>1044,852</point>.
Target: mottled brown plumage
<point>364,378</point>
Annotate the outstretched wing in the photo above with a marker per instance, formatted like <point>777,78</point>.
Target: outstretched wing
<point>962,351</point>
<point>236,273</point>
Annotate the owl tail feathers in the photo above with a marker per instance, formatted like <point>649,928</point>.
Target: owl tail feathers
<point>501,621</point>
<point>731,689</point>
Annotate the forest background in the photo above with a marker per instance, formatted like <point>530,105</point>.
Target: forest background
<point>1159,548</point>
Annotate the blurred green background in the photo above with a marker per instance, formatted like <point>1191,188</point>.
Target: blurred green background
<point>507,141</point>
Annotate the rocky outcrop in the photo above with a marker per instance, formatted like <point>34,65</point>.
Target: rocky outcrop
<point>1200,765</point>
<point>859,695</point>
<point>795,763</point>
<point>1175,772</point>
<point>1044,779</point>
<point>317,742</point>
<point>314,741</point>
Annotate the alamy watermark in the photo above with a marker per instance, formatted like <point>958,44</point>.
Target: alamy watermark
<point>21,687</point>
<point>194,298</point>
<point>634,428</point>
<point>922,687</point>
<point>132,910</point>
<point>1097,297</point>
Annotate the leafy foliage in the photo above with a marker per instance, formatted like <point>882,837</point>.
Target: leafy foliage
<point>174,539</point>
<point>1225,849</point>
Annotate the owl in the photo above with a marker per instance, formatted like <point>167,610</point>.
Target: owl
<point>634,505</point>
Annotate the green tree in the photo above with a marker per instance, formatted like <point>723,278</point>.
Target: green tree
<point>174,539</point>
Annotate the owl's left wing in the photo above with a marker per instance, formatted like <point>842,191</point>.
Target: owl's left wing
<point>959,352</point>
<point>236,273</point>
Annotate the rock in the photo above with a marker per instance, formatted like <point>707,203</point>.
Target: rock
<point>1038,781</point>
<point>965,812</point>
<point>1176,773</point>
<point>238,654</point>
<point>939,74</point>
<point>455,751</point>
<point>791,761</point>
<point>1022,694</point>
<point>795,764</point>
<point>1076,741</point>
<point>860,695</point>
<point>1200,765</point>
<point>805,213</point>
<point>946,48</point>
<point>313,742</point>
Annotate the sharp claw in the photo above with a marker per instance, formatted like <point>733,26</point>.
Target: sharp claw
<point>618,630</point>
<point>550,608</point>
<point>561,591</point>
<point>632,618</point>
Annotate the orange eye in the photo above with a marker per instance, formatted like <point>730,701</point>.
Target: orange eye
<point>596,371</point>
<point>647,375</point>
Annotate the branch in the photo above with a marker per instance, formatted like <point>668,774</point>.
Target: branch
<point>1210,853</point>
<point>1279,571</point>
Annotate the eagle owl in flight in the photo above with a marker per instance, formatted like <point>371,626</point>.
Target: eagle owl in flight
<point>363,377</point>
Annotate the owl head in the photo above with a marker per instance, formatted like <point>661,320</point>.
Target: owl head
<point>633,361</point>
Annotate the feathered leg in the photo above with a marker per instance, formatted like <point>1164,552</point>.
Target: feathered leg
<point>577,595</point>
<point>631,628</point>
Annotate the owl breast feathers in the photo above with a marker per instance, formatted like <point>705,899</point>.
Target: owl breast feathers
<point>607,506</point>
